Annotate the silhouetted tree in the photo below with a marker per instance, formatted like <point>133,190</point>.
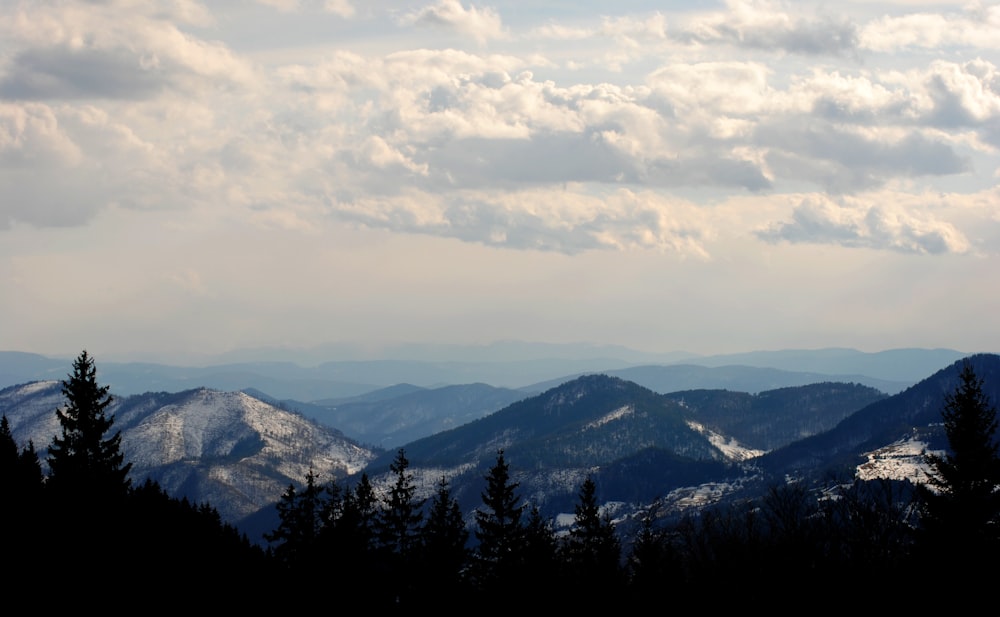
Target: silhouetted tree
<point>349,538</point>
<point>20,468</point>
<point>499,530</point>
<point>400,517</point>
<point>868,527</point>
<point>444,551</point>
<point>397,526</point>
<point>542,572</point>
<point>21,491</point>
<point>592,551</point>
<point>961,499</point>
<point>651,564</point>
<point>301,520</point>
<point>84,459</point>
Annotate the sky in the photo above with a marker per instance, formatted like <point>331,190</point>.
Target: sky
<point>184,178</point>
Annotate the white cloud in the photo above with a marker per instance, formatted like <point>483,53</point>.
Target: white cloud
<point>857,223</point>
<point>676,156</point>
<point>762,24</point>
<point>343,8</point>
<point>95,51</point>
<point>569,221</point>
<point>976,27</point>
<point>482,24</point>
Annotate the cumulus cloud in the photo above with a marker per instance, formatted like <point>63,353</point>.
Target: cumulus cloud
<point>463,144</point>
<point>62,165</point>
<point>964,94</point>
<point>92,51</point>
<point>566,221</point>
<point>976,26</point>
<point>859,225</point>
<point>767,25</point>
<point>843,160</point>
<point>482,24</point>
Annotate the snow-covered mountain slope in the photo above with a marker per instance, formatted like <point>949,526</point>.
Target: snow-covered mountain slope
<point>228,449</point>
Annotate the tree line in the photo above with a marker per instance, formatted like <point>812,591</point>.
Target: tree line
<point>88,525</point>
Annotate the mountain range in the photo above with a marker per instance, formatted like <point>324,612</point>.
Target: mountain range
<point>528,367</point>
<point>638,436</point>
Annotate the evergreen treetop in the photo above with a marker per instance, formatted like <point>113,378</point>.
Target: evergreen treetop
<point>82,458</point>
<point>964,499</point>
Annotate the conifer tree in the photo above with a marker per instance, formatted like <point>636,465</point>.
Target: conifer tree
<point>962,498</point>
<point>499,528</point>
<point>349,537</point>
<point>84,459</point>
<point>398,524</point>
<point>444,538</point>
<point>20,482</point>
<point>88,488</point>
<point>400,518</point>
<point>300,515</point>
<point>8,451</point>
<point>647,564</point>
<point>592,550</point>
<point>540,573</point>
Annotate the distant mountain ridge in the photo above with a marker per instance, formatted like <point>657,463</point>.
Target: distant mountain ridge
<point>603,425</point>
<point>513,367</point>
<point>684,448</point>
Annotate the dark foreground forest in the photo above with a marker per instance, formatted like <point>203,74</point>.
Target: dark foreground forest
<point>84,536</point>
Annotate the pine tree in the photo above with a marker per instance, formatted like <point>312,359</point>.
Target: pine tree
<point>398,523</point>
<point>8,451</point>
<point>349,537</point>
<point>20,483</point>
<point>300,515</point>
<point>592,550</point>
<point>499,530</point>
<point>83,460</point>
<point>540,572</point>
<point>87,492</point>
<point>649,565</point>
<point>444,551</point>
<point>400,518</point>
<point>961,499</point>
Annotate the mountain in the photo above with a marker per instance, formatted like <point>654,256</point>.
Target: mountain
<point>388,420</point>
<point>680,449</point>
<point>390,417</point>
<point>636,443</point>
<point>912,416</point>
<point>664,378</point>
<point>228,449</point>
<point>901,365</point>
<point>310,377</point>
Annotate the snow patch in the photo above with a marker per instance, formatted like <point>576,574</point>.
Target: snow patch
<point>617,414</point>
<point>731,448</point>
<point>900,460</point>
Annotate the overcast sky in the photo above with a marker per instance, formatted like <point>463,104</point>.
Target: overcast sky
<point>183,178</point>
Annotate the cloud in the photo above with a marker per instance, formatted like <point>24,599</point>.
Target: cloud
<point>281,5</point>
<point>857,225</point>
<point>764,25</point>
<point>343,8</point>
<point>90,51</point>
<point>480,24</point>
<point>844,160</point>
<point>60,165</point>
<point>975,27</point>
<point>63,73</point>
<point>566,221</point>
<point>465,145</point>
<point>964,94</point>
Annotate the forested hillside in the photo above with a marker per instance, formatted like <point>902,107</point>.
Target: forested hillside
<point>87,520</point>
